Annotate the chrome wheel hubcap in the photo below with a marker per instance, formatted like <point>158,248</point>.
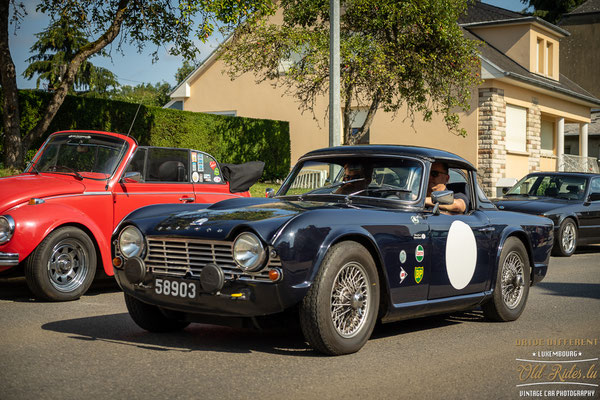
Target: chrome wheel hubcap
<point>350,300</point>
<point>513,280</point>
<point>68,265</point>
<point>568,238</point>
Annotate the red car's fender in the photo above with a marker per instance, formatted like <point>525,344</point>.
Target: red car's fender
<point>33,223</point>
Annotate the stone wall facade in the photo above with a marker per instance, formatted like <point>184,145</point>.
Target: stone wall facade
<point>534,136</point>
<point>492,139</point>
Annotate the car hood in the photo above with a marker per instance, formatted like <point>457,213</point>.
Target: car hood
<point>220,220</point>
<point>531,205</point>
<point>17,189</point>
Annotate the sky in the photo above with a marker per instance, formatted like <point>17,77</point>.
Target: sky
<point>131,68</point>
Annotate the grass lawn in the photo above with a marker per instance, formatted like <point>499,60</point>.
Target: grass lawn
<point>258,189</point>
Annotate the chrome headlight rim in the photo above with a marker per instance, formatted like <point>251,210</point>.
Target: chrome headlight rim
<point>9,223</point>
<point>260,255</point>
<point>138,249</point>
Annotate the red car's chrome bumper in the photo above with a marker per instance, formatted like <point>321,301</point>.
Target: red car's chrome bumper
<point>9,259</point>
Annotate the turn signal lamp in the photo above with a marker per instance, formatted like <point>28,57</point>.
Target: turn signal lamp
<point>117,261</point>
<point>33,201</point>
<point>274,274</point>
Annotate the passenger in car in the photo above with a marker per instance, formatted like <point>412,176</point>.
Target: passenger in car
<point>355,178</point>
<point>438,178</point>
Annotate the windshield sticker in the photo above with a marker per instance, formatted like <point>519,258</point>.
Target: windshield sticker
<point>213,164</point>
<point>403,274</point>
<point>79,137</point>
<point>217,171</point>
<point>194,157</point>
<point>419,254</point>
<point>194,166</point>
<point>217,179</point>
<point>207,177</point>
<point>418,274</point>
<point>200,162</point>
<point>403,257</point>
<point>195,176</point>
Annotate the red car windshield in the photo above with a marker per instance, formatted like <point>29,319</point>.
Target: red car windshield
<point>93,155</point>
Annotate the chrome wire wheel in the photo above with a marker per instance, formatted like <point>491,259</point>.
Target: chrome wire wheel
<point>513,280</point>
<point>68,265</point>
<point>568,238</point>
<point>350,300</point>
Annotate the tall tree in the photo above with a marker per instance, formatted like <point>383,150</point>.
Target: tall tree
<point>552,10</point>
<point>393,53</point>
<point>138,22</point>
<point>55,48</point>
<point>183,71</point>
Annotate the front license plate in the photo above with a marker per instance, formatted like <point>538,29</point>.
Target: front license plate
<point>175,288</point>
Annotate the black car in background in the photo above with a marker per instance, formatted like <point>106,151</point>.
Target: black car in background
<point>570,199</point>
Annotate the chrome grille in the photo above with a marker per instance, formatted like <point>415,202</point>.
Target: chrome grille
<point>178,257</point>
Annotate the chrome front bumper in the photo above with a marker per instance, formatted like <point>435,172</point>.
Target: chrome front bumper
<point>9,259</point>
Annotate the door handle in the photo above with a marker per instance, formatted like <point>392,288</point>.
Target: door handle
<point>186,199</point>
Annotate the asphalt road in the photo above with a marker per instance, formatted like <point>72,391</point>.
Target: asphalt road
<point>90,349</point>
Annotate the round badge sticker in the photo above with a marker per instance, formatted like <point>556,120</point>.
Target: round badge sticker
<point>419,253</point>
<point>195,177</point>
<point>217,179</point>
<point>402,256</point>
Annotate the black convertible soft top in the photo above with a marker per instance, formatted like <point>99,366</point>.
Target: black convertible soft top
<point>242,176</point>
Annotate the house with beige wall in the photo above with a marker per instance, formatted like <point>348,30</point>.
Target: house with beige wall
<point>515,124</point>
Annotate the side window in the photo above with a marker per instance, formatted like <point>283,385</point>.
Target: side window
<point>167,165</point>
<point>137,163</point>
<point>595,185</point>
<point>458,183</point>
<point>205,169</point>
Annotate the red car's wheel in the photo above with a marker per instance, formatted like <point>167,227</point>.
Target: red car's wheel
<point>63,266</point>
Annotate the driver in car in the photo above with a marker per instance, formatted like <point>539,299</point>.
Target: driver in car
<point>438,178</point>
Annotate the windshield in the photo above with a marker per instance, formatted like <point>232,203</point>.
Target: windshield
<point>85,155</point>
<point>557,186</point>
<point>386,178</point>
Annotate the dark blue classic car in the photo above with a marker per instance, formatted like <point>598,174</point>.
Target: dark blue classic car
<point>570,199</point>
<point>346,241</point>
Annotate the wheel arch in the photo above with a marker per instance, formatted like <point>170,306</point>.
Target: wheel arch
<point>368,243</point>
<point>522,236</point>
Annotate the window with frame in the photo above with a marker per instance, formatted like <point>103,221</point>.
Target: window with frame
<point>357,120</point>
<point>516,128</point>
<point>547,135</point>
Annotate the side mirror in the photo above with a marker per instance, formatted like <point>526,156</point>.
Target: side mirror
<point>594,196</point>
<point>441,197</point>
<point>269,193</point>
<point>131,177</point>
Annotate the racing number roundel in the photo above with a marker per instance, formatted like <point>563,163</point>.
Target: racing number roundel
<point>461,254</point>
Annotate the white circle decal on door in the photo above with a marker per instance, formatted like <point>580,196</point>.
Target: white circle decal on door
<point>461,254</point>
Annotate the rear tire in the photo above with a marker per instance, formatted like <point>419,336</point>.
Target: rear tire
<point>62,267</point>
<point>512,283</point>
<point>150,318</point>
<point>338,313</point>
<point>565,242</point>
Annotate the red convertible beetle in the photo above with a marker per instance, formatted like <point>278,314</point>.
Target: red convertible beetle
<point>57,217</point>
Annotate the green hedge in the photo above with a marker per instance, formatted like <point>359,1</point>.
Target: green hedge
<point>229,139</point>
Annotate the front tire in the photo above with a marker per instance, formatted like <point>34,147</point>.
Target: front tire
<point>512,283</point>
<point>63,266</point>
<point>566,239</point>
<point>150,318</point>
<point>338,313</point>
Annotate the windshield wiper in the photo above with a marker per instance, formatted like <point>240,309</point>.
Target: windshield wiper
<point>516,194</point>
<point>377,190</point>
<point>69,169</point>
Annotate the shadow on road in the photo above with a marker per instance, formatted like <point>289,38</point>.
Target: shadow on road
<point>15,289</point>
<point>566,289</point>
<point>587,249</point>
<point>120,329</point>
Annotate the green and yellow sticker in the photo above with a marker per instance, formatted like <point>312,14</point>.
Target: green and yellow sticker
<point>419,274</point>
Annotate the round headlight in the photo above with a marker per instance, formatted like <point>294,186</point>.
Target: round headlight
<point>7,228</point>
<point>248,252</point>
<point>131,242</point>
